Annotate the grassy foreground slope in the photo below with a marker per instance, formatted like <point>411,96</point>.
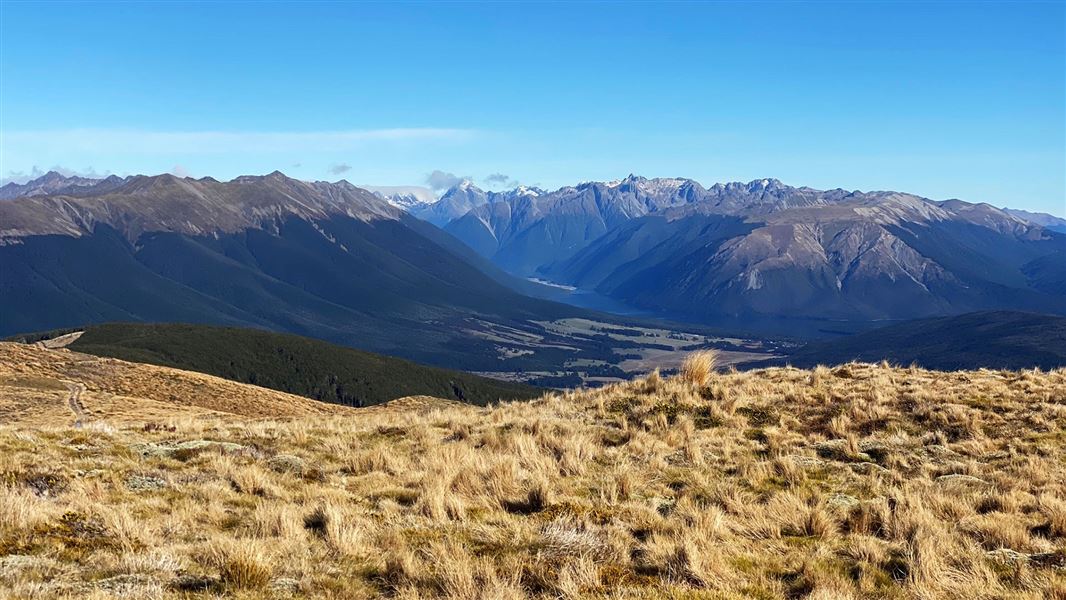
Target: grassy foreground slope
<point>861,481</point>
<point>291,363</point>
<point>53,388</point>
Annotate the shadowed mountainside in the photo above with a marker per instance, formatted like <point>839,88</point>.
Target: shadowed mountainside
<point>325,260</point>
<point>768,250</point>
<point>991,339</point>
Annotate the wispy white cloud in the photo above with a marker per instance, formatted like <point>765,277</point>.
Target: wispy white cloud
<point>206,142</point>
<point>501,180</point>
<point>441,180</point>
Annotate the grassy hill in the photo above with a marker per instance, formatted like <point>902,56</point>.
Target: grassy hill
<point>290,363</point>
<point>860,481</point>
<point>45,387</point>
<point>992,339</point>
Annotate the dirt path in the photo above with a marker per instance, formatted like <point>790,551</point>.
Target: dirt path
<point>60,342</point>
<point>74,402</point>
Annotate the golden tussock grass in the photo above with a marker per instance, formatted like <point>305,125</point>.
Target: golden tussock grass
<point>860,481</point>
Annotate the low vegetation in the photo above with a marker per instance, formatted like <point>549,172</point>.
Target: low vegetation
<point>861,481</point>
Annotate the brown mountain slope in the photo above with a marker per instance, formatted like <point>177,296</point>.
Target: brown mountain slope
<point>190,206</point>
<point>41,386</point>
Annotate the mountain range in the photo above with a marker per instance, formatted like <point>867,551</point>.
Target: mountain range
<point>325,260</point>
<point>446,282</point>
<point>51,182</point>
<point>766,249</point>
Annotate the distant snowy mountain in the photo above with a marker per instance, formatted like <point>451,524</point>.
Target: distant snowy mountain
<point>407,197</point>
<point>455,202</point>
<point>464,197</point>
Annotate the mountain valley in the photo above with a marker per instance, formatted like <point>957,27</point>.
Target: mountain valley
<point>495,281</point>
<point>765,249</point>
<point>325,260</point>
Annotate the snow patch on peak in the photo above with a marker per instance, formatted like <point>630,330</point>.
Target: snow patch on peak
<point>525,191</point>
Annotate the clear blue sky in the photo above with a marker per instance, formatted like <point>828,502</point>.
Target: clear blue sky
<point>943,99</point>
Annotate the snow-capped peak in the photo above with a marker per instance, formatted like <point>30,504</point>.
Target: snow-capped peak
<point>523,190</point>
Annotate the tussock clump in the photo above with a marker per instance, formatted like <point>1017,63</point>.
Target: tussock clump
<point>698,367</point>
<point>240,564</point>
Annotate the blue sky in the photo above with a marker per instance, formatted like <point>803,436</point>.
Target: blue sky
<point>943,99</point>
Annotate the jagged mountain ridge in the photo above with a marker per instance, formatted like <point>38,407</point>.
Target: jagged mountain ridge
<point>464,197</point>
<point>51,182</point>
<point>767,249</point>
<point>407,197</point>
<point>526,234</point>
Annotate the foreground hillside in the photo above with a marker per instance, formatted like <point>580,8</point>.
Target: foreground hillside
<point>858,481</point>
<point>41,386</point>
<point>290,363</point>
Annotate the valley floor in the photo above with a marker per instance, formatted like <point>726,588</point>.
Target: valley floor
<point>862,481</point>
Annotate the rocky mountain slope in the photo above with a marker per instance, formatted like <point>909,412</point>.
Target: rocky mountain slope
<point>326,260</point>
<point>1049,221</point>
<point>770,250</point>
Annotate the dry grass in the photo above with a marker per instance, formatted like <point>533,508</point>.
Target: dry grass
<point>34,380</point>
<point>859,481</point>
<point>698,367</point>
